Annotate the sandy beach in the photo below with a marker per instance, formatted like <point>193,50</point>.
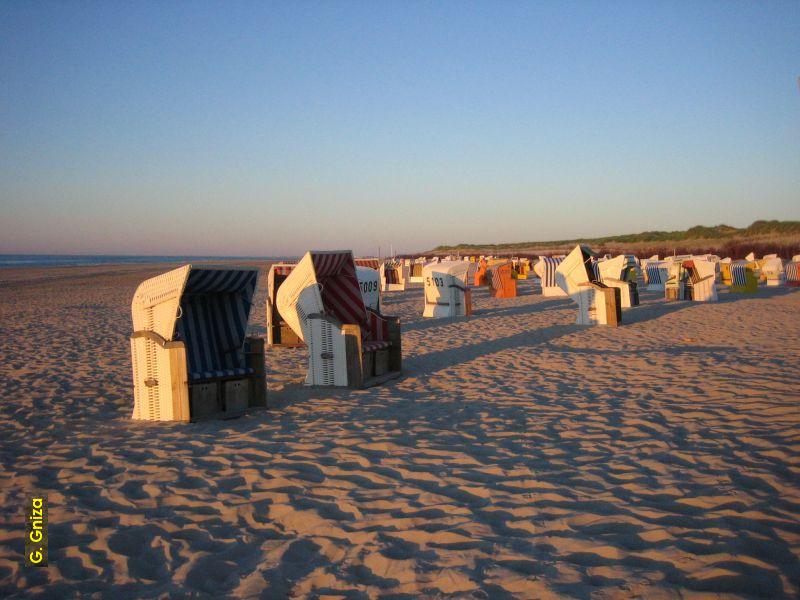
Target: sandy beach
<point>520,455</point>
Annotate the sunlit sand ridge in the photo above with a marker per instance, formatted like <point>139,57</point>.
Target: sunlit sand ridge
<point>519,456</point>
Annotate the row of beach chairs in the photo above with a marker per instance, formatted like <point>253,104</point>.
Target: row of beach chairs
<point>193,360</point>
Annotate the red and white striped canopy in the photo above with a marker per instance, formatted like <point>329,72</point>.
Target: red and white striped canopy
<point>341,295</point>
<point>372,263</point>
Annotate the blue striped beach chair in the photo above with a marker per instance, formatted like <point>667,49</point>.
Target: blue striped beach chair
<point>657,275</point>
<point>191,356</point>
<point>743,278</point>
<point>546,270</point>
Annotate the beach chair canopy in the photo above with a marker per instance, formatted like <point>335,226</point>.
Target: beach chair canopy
<point>372,263</point>
<point>207,308</point>
<point>576,269</point>
<point>322,282</point>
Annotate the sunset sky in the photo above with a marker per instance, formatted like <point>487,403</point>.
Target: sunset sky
<point>271,128</point>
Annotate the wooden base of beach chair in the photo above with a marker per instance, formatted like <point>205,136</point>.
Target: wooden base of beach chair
<point>370,368</point>
<point>230,397</point>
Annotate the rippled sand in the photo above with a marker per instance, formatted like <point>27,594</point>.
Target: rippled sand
<point>519,456</point>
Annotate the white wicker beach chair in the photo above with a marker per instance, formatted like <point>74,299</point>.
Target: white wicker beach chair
<point>348,344</point>
<point>446,292</point>
<point>620,272</point>
<point>394,275</point>
<point>772,270</point>
<point>545,269</point>
<point>597,303</point>
<point>191,359</point>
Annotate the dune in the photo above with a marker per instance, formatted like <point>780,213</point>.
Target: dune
<point>519,455</point>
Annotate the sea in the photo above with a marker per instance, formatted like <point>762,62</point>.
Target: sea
<point>79,260</point>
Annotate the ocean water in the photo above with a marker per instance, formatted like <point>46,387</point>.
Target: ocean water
<point>75,260</point>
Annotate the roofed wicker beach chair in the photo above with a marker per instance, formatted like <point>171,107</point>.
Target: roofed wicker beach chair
<point>743,278</point>
<point>480,276</point>
<point>773,271</point>
<point>446,292</point>
<point>546,270</point>
<point>502,283</point>
<point>394,274</point>
<point>620,272</point>
<point>279,334</point>
<point>693,279</point>
<point>597,303</point>
<point>522,267</point>
<point>725,271</point>
<point>793,272</point>
<point>349,345</point>
<point>415,272</point>
<point>191,358</point>
<point>657,274</point>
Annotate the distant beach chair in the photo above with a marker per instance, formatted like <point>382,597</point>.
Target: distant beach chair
<point>772,270</point>
<point>415,272</point>
<point>522,266</point>
<point>620,272</point>
<point>725,271</point>
<point>657,274</point>
<point>597,303</point>
<point>348,344</point>
<point>743,278</point>
<point>793,272</point>
<point>279,334</point>
<point>502,283</point>
<point>479,277</point>
<point>446,292</point>
<point>546,270</point>
<point>191,359</point>
<point>394,274</point>
<point>693,279</point>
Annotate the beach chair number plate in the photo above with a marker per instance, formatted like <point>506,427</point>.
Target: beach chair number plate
<point>437,281</point>
<point>368,286</point>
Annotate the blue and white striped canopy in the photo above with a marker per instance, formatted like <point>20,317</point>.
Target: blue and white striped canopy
<point>215,308</point>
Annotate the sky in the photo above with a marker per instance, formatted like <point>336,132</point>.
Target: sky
<point>271,128</point>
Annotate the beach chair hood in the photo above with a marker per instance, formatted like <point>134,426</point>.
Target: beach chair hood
<point>167,303</point>
<point>575,269</point>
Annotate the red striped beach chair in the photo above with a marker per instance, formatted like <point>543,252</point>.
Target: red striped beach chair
<point>348,344</point>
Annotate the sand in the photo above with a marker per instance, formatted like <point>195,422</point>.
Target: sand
<point>519,456</point>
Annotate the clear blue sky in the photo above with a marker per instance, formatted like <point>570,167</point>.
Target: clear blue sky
<point>268,128</point>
